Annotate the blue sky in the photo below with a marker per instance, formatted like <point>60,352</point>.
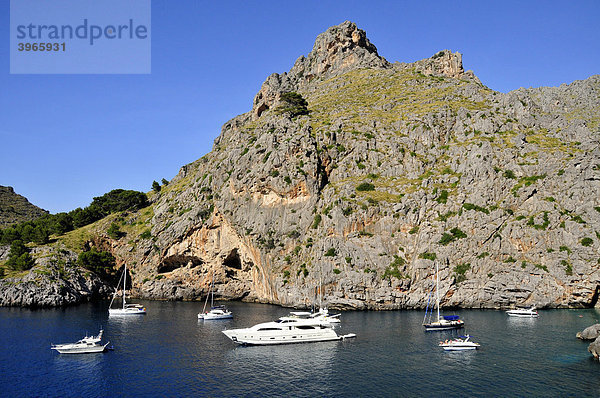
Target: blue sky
<point>67,138</point>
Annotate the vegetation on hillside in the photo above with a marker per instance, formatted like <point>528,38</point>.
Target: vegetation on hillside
<point>39,230</point>
<point>15,208</point>
<point>293,103</point>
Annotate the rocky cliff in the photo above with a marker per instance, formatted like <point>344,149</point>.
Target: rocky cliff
<point>15,208</point>
<point>54,281</point>
<point>386,170</point>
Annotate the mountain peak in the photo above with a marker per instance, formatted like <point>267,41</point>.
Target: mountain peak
<point>445,63</point>
<point>15,208</point>
<point>337,50</point>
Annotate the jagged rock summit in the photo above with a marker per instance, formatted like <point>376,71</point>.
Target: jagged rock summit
<point>340,49</point>
<point>337,50</point>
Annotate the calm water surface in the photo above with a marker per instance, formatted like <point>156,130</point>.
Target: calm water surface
<point>169,352</point>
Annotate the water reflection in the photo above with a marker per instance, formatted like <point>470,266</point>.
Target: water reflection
<point>299,369</point>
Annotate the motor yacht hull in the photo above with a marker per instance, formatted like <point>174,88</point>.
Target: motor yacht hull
<point>522,313</point>
<point>250,337</point>
<point>79,349</point>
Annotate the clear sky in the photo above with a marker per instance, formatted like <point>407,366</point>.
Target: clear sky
<point>67,138</point>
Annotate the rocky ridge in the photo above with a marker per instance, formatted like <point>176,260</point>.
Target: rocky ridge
<point>15,208</point>
<point>395,167</point>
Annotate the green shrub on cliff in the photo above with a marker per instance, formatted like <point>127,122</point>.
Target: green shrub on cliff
<point>98,262</point>
<point>460,270</point>
<point>19,258</point>
<point>114,231</point>
<point>392,269</point>
<point>586,241</point>
<point>365,186</point>
<point>292,103</point>
<point>455,233</point>
<point>428,256</point>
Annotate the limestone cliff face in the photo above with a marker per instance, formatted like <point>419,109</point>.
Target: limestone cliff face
<point>396,167</point>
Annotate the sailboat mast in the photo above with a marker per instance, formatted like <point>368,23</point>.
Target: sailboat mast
<point>437,289</point>
<point>124,283</point>
<point>320,292</point>
<point>212,290</point>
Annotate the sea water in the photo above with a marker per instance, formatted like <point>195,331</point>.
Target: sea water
<point>170,353</point>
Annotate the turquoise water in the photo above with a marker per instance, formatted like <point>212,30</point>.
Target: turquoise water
<point>169,352</point>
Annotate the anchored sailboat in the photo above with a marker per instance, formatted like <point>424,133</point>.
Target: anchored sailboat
<point>218,312</point>
<point>126,309</point>
<point>442,322</point>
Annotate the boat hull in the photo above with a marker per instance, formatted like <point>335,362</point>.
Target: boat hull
<point>522,314</point>
<point>70,349</point>
<point>126,311</point>
<point>250,337</point>
<point>430,327</point>
<point>214,317</point>
<point>460,348</point>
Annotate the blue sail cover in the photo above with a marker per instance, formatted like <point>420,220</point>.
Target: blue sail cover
<point>451,317</point>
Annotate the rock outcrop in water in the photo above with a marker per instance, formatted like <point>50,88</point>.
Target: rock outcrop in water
<point>589,333</point>
<point>387,170</point>
<point>594,348</point>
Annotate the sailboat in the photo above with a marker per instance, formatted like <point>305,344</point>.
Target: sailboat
<point>442,322</point>
<point>218,312</point>
<point>126,309</point>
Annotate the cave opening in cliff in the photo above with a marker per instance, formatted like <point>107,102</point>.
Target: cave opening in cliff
<point>233,260</point>
<point>594,299</point>
<point>171,263</point>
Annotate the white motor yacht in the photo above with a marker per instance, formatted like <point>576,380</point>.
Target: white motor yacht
<point>88,344</point>
<point>460,344</point>
<point>286,330</point>
<point>523,312</point>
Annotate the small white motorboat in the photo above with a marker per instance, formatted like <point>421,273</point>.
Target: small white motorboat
<point>460,344</point>
<point>523,312</point>
<point>87,345</point>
